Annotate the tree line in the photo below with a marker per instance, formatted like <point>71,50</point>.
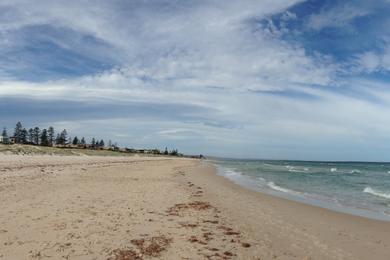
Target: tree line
<point>48,137</point>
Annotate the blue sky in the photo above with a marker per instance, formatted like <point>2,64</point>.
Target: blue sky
<point>282,79</point>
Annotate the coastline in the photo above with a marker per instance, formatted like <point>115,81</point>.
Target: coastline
<point>298,227</point>
<point>298,196</point>
<point>155,207</point>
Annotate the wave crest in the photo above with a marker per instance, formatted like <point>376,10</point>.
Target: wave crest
<point>376,193</point>
<point>273,186</point>
<point>231,173</point>
<point>355,171</point>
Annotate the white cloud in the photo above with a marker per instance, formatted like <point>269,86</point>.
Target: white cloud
<point>270,124</point>
<point>386,59</point>
<point>372,61</point>
<point>369,61</point>
<point>208,54</point>
<point>337,16</point>
<point>184,44</point>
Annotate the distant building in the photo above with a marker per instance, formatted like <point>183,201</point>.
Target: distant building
<point>4,140</point>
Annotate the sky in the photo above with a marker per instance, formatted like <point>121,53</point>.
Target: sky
<point>286,79</point>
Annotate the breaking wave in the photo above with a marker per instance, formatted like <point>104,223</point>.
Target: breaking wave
<point>376,193</point>
<point>273,186</point>
<point>355,171</point>
<point>231,173</point>
<point>293,169</point>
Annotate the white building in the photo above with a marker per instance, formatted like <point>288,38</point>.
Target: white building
<point>4,140</point>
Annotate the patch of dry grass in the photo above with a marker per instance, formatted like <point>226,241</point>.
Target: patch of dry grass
<point>43,150</point>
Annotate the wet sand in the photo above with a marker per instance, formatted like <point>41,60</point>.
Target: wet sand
<point>86,207</point>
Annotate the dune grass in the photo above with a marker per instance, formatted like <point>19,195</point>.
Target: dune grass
<point>42,150</point>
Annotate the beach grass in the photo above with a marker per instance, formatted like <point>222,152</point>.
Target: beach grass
<point>23,149</point>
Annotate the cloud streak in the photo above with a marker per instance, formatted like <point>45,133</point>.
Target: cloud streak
<point>226,78</point>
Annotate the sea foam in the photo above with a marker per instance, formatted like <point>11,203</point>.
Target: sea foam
<point>293,169</point>
<point>231,173</point>
<point>376,193</point>
<point>273,186</point>
<point>355,171</point>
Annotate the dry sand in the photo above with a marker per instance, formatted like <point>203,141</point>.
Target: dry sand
<point>73,207</point>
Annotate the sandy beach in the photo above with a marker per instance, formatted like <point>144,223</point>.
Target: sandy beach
<point>90,207</point>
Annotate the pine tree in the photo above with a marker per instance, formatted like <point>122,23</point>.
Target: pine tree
<point>50,133</point>
<point>166,151</point>
<point>175,152</point>
<point>82,141</point>
<point>18,132</point>
<point>4,133</point>
<point>58,139</point>
<point>36,134</point>
<point>75,141</point>
<point>44,138</point>
<point>23,136</point>
<point>31,135</point>
<point>93,143</point>
<point>63,137</point>
<point>101,143</point>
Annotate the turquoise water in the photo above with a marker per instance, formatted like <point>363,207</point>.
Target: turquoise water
<point>354,187</point>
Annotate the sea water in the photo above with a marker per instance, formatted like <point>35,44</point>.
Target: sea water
<point>353,187</point>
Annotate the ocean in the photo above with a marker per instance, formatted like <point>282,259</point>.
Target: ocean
<point>357,188</point>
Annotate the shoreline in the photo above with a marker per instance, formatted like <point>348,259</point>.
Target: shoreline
<point>345,236</point>
<point>150,207</point>
<point>336,207</point>
<point>285,198</point>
